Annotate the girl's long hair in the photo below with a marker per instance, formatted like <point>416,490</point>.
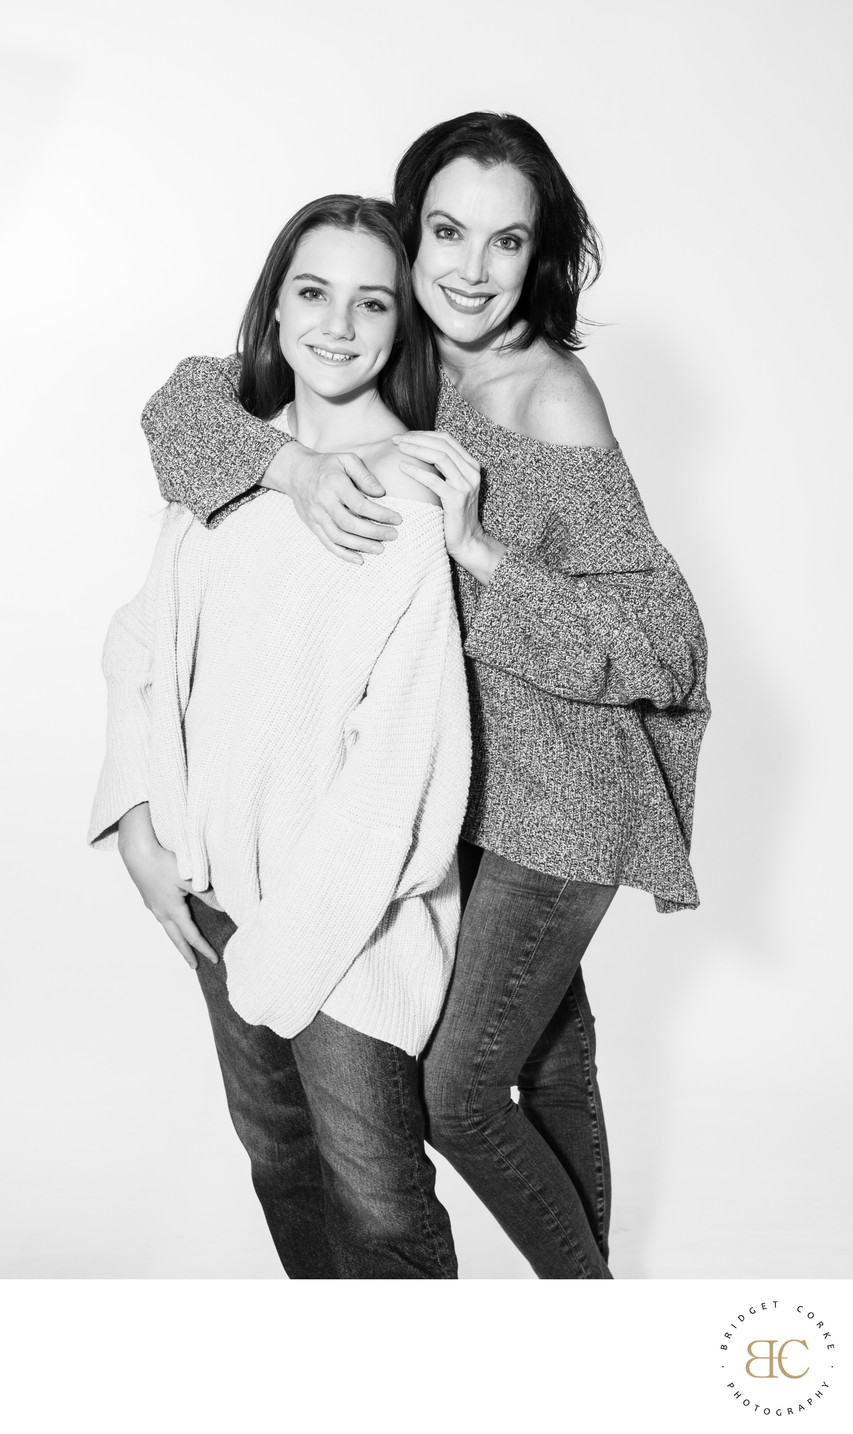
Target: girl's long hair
<point>266,381</point>
<point>567,249</point>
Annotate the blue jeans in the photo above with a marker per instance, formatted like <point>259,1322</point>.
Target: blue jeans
<point>333,1125</point>
<point>516,1014</point>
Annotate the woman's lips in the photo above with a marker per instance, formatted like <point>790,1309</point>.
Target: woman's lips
<point>466,303</point>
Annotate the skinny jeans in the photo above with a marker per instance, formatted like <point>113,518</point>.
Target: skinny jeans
<point>517,1014</point>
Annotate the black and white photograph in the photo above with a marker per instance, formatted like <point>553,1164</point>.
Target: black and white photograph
<point>427,631</point>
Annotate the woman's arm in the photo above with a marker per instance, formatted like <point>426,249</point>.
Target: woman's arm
<point>596,609</point>
<point>387,827</point>
<point>211,455</point>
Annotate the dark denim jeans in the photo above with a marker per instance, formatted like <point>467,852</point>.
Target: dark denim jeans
<point>517,1014</point>
<point>333,1125</point>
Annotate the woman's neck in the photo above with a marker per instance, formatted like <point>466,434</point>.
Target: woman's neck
<point>333,425</point>
<point>478,361</point>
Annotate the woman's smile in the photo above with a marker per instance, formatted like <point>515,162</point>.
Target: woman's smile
<point>465,303</point>
<point>477,225</point>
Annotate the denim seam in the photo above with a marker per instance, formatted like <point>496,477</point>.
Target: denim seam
<point>572,1249</point>
<point>595,1123</point>
<point>425,1212</point>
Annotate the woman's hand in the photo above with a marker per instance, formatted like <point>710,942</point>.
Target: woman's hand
<point>332,495</point>
<point>154,872</point>
<point>456,482</point>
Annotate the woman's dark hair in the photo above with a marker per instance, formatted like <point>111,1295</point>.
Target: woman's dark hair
<point>266,381</point>
<point>566,253</point>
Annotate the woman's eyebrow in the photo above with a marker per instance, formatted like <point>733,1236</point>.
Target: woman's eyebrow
<point>443,214</point>
<point>363,288</point>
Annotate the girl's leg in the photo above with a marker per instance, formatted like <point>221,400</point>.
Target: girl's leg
<point>383,1217</point>
<point>523,935</point>
<point>271,1117</point>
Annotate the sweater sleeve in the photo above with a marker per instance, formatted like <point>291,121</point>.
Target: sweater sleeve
<point>126,664</point>
<point>595,609</point>
<point>385,829</point>
<point>208,453</point>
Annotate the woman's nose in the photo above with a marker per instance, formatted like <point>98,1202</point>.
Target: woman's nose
<point>472,265</point>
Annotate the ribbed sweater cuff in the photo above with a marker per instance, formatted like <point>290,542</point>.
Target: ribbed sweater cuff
<point>124,781</point>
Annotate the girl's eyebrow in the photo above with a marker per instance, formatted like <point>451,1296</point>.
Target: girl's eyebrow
<point>443,214</point>
<point>363,288</point>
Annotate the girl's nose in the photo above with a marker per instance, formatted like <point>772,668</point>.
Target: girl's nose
<point>339,324</point>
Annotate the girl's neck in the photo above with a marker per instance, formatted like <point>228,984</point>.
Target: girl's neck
<point>479,361</point>
<point>333,425</point>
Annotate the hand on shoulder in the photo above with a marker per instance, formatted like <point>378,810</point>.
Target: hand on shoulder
<point>397,484</point>
<point>564,406</point>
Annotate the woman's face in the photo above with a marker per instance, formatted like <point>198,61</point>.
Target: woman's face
<point>337,310</point>
<point>477,227</point>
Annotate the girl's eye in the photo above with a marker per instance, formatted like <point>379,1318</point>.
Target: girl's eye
<point>374,306</point>
<point>310,294</point>
<point>509,243</point>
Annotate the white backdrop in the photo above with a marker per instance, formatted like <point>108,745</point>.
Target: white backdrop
<point>156,150</point>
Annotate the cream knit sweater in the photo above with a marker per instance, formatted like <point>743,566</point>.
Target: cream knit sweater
<point>300,728</point>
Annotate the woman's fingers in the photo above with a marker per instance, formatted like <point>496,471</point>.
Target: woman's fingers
<point>354,525</point>
<point>433,481</point>
<point>364,507</point>
<point>444,442</point>
<point>446,463</point>
<point>359,473</point>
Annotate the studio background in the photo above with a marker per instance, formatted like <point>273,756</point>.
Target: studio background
<point>154,153</point>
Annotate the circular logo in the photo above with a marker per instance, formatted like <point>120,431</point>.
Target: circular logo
<point>777,1357</point>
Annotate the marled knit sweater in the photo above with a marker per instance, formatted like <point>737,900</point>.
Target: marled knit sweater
<point>300,729</point>
<point>586,655</point>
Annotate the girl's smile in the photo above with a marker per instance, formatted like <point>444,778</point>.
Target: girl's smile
<point>337,311</point>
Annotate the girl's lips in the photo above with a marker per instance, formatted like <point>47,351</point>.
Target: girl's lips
<point>475,304</point>
<point>332,356</point>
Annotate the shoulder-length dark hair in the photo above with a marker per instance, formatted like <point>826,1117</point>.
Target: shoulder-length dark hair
<point>266,381</point>
<point>566,252</point>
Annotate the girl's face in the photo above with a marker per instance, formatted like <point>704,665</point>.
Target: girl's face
<point>337,310</point>
<point>477,228</point>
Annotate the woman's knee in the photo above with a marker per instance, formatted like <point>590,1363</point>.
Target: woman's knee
<point>455,1107</point>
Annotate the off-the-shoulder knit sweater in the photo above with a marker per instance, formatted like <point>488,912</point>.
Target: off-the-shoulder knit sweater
<point>300,728</point>
<point>586,656</point>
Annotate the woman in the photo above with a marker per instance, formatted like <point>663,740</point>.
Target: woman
<point>288,747</point>
<point>585,656</point>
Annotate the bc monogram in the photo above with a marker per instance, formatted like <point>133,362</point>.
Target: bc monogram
<point>773,1359</point>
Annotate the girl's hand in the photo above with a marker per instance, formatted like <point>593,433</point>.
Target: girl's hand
<point>154,872</point>
<point>456,482</point>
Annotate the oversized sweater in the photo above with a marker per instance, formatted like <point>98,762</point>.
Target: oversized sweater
<point>300,728</point>
<point>585,655</point>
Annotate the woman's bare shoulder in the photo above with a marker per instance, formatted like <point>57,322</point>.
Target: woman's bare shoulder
<point>385,466</point>
<point>563,404</point>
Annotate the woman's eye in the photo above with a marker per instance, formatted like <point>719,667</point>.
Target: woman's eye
<point>445,231</point>
<point>509,243</point>
<point>310,294</point>
<point>374,306</point>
